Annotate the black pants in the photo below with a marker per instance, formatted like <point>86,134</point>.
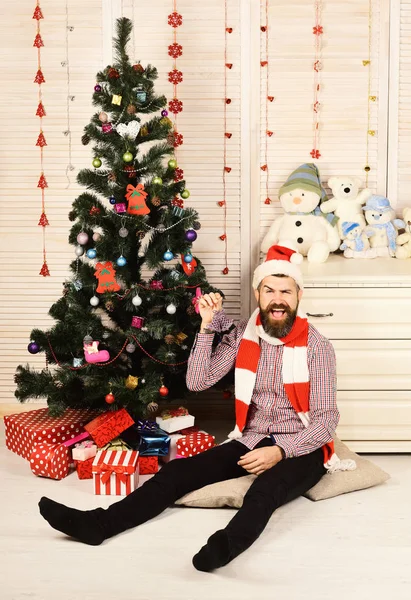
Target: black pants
<point>285,481</point>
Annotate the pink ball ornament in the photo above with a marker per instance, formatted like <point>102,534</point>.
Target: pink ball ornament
<point>82,238</point>
<point>96,236</point>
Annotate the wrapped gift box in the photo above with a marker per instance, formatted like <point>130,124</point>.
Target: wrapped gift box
<point>50,460</point>
<point>84,468</point>
<point>84,451</point>
<point>148,465</point>
<point>193,444</point>
<point>175,420</point>
<point>147,438</point>
<point>108,426</point>
<point>174,437</point>
<point>23,430</point>
<point>115,473</point>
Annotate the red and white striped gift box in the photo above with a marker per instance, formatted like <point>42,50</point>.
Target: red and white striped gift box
<point>115,472</point>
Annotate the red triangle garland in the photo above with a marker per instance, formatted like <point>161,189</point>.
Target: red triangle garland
<point>38,42</point>
<point>43,221</point>
<point>44,270</point>
<point>39,77</point>
<point>40,110</point>
<point>42,182</point>
<point>41,140</point>
<point>38,14</point>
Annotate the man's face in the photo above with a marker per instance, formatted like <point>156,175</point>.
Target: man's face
<point>278,299</point>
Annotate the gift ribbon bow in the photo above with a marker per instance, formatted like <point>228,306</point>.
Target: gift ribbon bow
<point>147,425</point>
<point>106,471</point>
<point>195,301</point>
<point>178,412</point>
<point>86,444</point>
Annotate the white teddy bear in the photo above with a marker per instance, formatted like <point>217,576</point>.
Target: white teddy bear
<point>404,240</point>
<point>301,229</point>
<point>347,201</point>
<point>382,224</point>
<point>356,244</point>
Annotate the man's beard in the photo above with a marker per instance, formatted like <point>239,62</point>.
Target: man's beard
<point>278,329</point>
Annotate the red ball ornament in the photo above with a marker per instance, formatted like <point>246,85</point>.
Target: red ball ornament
<point>110,398</point>
<point>163,391</point>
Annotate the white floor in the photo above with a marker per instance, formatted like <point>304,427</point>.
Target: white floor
<point>356,547</point>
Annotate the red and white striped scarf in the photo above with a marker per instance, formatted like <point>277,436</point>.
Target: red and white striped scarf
<point>295,373</point>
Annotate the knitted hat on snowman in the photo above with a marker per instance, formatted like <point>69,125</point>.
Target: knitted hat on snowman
<point>306,177</point>
<point>348,226</point>
<point>279,261</point>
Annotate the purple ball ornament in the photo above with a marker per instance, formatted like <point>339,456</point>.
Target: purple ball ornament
<point>33,348</point>
<point>191,235</point>
<point>164,113</point>
<point>97,88</point>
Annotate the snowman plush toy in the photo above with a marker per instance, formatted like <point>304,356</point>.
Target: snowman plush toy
<point>302,228</point>
<point>382,225</point>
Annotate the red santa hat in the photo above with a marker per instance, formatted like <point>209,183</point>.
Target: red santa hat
<point>280,261</point>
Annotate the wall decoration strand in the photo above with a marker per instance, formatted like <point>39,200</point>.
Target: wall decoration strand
<point>370,98</point>
<point>265,81</point>
<point>41,140</point>
<point>69,99</point>
<point>317,67</point>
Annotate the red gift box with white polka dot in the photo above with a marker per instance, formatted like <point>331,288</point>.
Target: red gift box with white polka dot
<point>23,430</point>
<point>194,443</point>
<point>50,460</point>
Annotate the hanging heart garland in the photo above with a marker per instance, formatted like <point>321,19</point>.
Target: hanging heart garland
<point>129,130</point>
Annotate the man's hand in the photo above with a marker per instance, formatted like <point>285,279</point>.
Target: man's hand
<point>259,460</point>
<point>209,304</point>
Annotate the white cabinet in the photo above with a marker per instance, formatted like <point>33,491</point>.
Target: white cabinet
<point>364,308</point>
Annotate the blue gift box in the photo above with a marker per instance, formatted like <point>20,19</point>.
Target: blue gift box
<point>147,438</point>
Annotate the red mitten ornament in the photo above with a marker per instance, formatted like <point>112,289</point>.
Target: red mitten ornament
<point>106,275</point>
<point>136,197</point>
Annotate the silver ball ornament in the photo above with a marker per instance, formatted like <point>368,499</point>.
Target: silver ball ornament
<point>136,300</point>
<point>130,348</point>
<point>79,251</point>
<point>171,309</point>
<point>94,301</point>
<point>123,232</point>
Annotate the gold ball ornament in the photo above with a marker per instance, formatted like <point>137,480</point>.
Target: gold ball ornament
<point>166,122</point>
<point>152,407</point>
<point>131,382</point>
<point>144,131</point>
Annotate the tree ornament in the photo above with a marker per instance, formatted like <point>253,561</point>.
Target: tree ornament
<point>164,113</point>
<point>120,208</point>
<point>77,362</point>
<point>130,348</point>
<point>85,139</point>
<point>185,194</point>
<point>79,251</point>
<point>188,268</point>
<point>178,175</point>
<point>128,130</point>
<point>94,301</point>
<point>152,406</point>
<point>107,128</point>
<point>166,122</point>
<point>137,322</point>
<point>169,339</point>
<point>137,300</point>
<point>121,261</point>
<point>138,68</point>
<point>91,253</point>
<point>94,211</point>
<point>190,235</point>
<point>168,255</point>
<point>112,200</point>
<point>77,285</point>
<point>127,157</point>
<point>172,163</point>
<point>96,236</point>
<point>123,232</point>
<point>109,305</point>
<point>144,131</point>
<point>196,225</point>
<point>97,88</point>
<point>157,181</point>
<point>103,117</point>
<point>171,309</point>
<point>110,398</point>
<point>175,50</point>
<point>113,73</point>
<point>136,196</point>
<point>175,106</point>
<point>175,76</point>
<point>112,177</point>
<point>163,391</point>
<point>82,238</point>
<point>116,99</point>
<point>131,109</point>
<point>91,352</point>
<point>33,348</point>
<point>131,382</point>
<point>96,163</point>
<point>175,19</point>
<point>180,337</point>
<point>141,94</point>
<point>106,275</point>
<point>188,258</point>
<point>155,201</point>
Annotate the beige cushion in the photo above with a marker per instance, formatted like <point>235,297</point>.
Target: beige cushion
<point>231,492</point>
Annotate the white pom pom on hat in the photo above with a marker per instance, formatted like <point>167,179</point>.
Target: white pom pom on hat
<point>280,261</point>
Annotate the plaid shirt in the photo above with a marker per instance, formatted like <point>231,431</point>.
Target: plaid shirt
<point>270,411</point>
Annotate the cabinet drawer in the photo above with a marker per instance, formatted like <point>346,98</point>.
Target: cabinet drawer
<point>359,313</point>
<point>373,364</point>
<point>374,415</point>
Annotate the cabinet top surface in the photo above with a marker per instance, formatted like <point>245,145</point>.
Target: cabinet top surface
<point>340,271</point>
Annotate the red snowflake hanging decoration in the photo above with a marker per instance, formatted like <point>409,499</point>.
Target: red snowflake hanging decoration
<point>175,50</point>
<point>175,106</point>
<point>175,76</point>
<point>318,30</point>
<point>175,139</point>
<point>175,19</point>
<point>315,153</point>
<point>178,174</point>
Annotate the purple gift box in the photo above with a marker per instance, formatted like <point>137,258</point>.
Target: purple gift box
<point>120,208</point>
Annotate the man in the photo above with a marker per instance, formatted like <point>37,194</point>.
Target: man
<point>286,416</point>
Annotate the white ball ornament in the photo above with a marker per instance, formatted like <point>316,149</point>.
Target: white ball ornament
<point>94,301</point>
<point>136,300</point>
<point>171,309</point>
<point>79,251</point>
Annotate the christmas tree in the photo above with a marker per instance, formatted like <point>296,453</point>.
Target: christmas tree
<point>120,340</point>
